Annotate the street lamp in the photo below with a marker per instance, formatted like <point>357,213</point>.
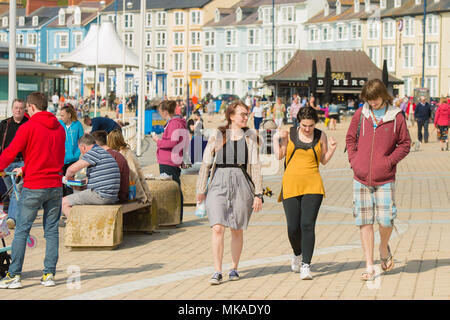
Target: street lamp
<point>141,99</point>
<point>12,81</point>
<point>102,4</point>
<point>129,6</point>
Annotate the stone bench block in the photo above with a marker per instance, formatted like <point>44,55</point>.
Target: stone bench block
<point>166,201</point>
<point>189,188</point>
<point>94,226</point>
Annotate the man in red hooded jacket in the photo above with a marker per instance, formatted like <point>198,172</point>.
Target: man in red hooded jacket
<point>41,141</point>
<point>377,140</point>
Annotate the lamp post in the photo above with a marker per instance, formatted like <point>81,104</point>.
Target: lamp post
<point>102,3</point>
<point>423,46</point>
<point>12,82</point>
<point>129,6</point>
<point>141,99</point>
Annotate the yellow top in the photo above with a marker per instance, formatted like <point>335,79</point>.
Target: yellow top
<point>302,173</point>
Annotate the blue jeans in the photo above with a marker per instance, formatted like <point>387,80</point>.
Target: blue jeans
<point>29,204</point>
<point>12,208</point>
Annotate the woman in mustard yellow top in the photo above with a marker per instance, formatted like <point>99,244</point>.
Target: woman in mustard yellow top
<point>302,187</point>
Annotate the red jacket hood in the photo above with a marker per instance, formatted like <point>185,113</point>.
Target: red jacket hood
<point>46,119</point>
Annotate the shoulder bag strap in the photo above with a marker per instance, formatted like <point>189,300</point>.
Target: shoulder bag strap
<point>4,135</point>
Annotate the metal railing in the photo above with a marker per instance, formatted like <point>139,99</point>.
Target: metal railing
<point>130,132</point>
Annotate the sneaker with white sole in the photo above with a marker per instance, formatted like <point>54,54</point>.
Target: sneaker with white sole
<point>48,280</point>
<point>305,272</point>
<point>233,275</point>
<point>296,261</point>
<point>216,278</point>
<point>10,282</point>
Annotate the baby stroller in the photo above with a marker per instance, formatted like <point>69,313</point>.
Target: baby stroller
<point>5,258</point>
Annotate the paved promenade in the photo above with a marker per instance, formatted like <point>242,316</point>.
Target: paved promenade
<point>177,263</point>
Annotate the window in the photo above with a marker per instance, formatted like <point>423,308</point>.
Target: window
<point>178,62</point>
<point>285,56</point>
<point>148,19</point>
<point>195,38</point>
<point>432,25</point>
<point>287,14</point>
<point>267,61</point>
<point>128,21</point>
<point>388,29</point>
<point>161,39</point>
<point>210,38</point>
<point>4,37</point>
<point>32,39</point>
<point>161,21</point>
<point>268,37</point>
<point>178,87</point>
<point>148,39</point>
<point>357,6</point>
<point>407,86</point>
<point>327,34</point>
<point>195,17</point>
<point>374,29</point>
<point>397,3</point>
<point>431,53</point>
<point>77,16</point>
<point>230,62</point>
<point>356,31</point>
<point>195,61</point>
<point>62,39</point>
<point>19,41</point>
<point>5,21</point>
<point>374,55</point>
<point>21,21</point>
<point>35,21</point>
<point>253,36</point>
<point>417,2</point>
<point>231,38</point>
<point>209,62</point>
<point>110,17</point>
<point>179,18</point>
<point>287,36</point>
<point>148,58</point>
<point>77,39</point>
<point>338,8</point>
<point>342,32</point>
<point>221,62</point>
<point>161,60</point>
<point>129,37</point>
<point>238,14</point>
<point>408,26</point>
<point>408,50</point>
<point>208,85</point>
<point>313,35</point>
<point>389,55</point>
<point>383,4</point>
<point>267,15</point>
<point>178,38</point>
<point>230,86</point>
<point>253,62</point>
<point>431,83</point>
<point>61,17</point>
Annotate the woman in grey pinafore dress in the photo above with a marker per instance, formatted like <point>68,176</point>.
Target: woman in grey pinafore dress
<point>235,187</point>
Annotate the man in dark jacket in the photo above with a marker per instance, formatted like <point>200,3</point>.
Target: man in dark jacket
<point>422,114</point>
<point>8,129</point>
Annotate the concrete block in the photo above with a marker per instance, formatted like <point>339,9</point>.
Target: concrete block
<point>141,220</point>
<point>166,201</point>
<point>94,226</point>
<point>189,188</point>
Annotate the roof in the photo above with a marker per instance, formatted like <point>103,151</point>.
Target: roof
<point>45,14</point>
<point>356,62</point>
<point>157,4</point>
<point>347,13</point>
<point>249,12</point>
<point>86,17</point>
<point>409,8</point>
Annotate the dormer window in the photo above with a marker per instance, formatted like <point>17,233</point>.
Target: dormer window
<point>398,3</point>
<point>5,21</point>
<point>217,16</point>
<point>61,17</point>
<point>35,21</point>
<point>21,21</point>
<point>326,10</point>
<point>367,5</point>
<point>356,6</point>
<point>77,16</point>
<point>238,14</point>
<point>260,14</point>
<point>418,2</point>
<point>383,4</point>
<point>338,7</point>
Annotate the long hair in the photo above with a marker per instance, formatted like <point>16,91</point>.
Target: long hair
<point>231,110</point>
<point>375,89</point>
<point>70,110</point>
<point>116,141</point>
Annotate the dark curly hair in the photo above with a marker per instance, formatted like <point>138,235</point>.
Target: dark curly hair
<point>307,113</point>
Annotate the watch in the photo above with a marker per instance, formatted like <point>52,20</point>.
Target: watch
<point>259,195</point>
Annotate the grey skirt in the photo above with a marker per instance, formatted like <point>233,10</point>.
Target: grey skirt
<point>229,199</point>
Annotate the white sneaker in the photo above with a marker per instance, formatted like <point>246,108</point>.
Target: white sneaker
<point>296,261</point>
<point>305,272</point>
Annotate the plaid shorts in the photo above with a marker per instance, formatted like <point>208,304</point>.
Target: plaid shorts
<point>370,202</point>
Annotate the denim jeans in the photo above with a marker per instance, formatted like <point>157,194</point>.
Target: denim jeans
<point>30,202</point>
<point>175,173</point>
<point>422,124</point>
<point>12,208</point>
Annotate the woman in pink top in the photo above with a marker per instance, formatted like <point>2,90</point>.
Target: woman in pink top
<point>442,122</point>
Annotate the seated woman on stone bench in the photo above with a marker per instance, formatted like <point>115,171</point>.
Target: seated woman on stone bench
<point>103,176</point>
